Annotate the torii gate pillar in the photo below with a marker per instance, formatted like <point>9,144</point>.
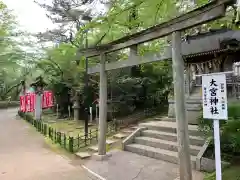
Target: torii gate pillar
<point>180,108</point>
<point>102,108</point>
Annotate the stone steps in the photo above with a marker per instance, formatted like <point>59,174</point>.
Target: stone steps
<point>165,119</point>
<point>193,107</point>
<point>93,148</point>
<point>120,136</point>
<point>157,153</point>
<point>159,140</point>
<point>127,131</point>
<point>163,144</point>
<point>194,140</point>
<point>171,127</point>
<point>83,155</point>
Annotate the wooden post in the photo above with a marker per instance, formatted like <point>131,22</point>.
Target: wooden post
<point>90,111</point>
<point>214,64</point>
<point>192,77</point>
<point>194,72</point>
<point>133,51</point>
<point>69,112</point>
<point>187,80</point>
<point>132,56</point>
<point>96,118</point>
<point>102,107</point>
<point>180,109</point>
<point>234,77</point>
<point>57,110</point>
<point>199,80</point>
<point>76,107</point>
<point>206,68</point>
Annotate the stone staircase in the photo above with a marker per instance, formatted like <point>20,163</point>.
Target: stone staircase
<point>111,142</point>
<point>195,93</point>
<point>158,139</point>
<point>193,106</point>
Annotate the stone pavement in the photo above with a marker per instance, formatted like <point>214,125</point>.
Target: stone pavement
<point>129,166</point>
<point>24,156</point>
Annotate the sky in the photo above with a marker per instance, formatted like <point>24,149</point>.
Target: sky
<point>30,16</point>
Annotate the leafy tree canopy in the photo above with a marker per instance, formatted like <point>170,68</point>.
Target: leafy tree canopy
<point>13,58</point>
<point>83,23</point>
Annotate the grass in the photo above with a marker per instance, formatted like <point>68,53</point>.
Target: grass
<point>231,173</point>
<point>72,128</point>
<point>75,129</point>
<point>69,126</point>
<point>56,147</point>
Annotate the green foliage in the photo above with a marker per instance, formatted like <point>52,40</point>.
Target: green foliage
<point>234,110</point>
<point>62,74</point>
<point>231,173</point>
<point>117,21</point>
<point>129,89</point>
<point>230,130</point>
<point>59,66</point>
<point>11,55</point>
<point>146,86</point>
<point>231,136</point>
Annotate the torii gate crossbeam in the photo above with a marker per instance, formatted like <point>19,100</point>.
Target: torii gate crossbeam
<point>211,11</point>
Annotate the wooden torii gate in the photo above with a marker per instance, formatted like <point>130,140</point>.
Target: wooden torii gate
<point>209,12</point>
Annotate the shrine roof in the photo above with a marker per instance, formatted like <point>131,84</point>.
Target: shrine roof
<point>209,32</point>
<point>214,41</point>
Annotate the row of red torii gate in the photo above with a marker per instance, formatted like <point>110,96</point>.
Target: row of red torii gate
<point>28,101</point>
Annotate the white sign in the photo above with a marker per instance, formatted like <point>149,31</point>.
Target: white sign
<point>214,96</point>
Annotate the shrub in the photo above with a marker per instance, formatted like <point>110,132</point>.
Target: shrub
<point>230,130</point>
<point>230,136</point>
<point>234,110</point>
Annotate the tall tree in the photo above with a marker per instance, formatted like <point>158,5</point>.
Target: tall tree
<point>12,56</point>
<point>70,15</point>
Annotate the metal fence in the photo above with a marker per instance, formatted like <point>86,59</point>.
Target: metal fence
<point>70,143</point>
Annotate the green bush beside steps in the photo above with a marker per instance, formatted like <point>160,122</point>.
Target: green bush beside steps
<point>229,129</point>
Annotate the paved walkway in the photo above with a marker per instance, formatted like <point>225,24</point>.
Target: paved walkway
<point>123,165</point>
<point>24,156</point>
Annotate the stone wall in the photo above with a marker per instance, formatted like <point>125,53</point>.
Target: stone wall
<point>208,165</point>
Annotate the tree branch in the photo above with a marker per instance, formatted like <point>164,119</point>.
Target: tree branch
<point>158,8</point>
<point>59,68</point>
<point>10,89</point>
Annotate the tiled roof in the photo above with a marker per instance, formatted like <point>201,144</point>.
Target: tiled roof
<point>206,53</point>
